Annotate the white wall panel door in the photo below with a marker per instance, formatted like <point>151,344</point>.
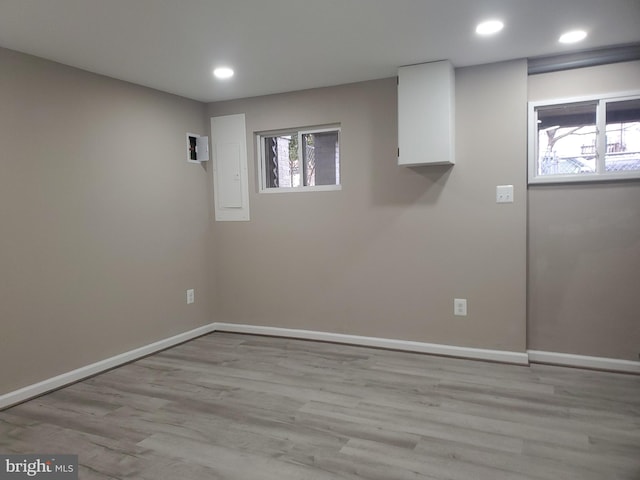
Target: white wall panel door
<point>230,172</point>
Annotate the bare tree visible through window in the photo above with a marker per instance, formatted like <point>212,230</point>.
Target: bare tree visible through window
<point>563,130</point>
<point>591,139</point>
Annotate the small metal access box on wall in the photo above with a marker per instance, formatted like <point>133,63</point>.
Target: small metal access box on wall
<point>197,148</point>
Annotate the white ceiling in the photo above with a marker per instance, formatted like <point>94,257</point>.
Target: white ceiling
<point>283,45</point>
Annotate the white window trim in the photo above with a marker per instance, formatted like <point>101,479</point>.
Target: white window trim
<point>262,180</point>
<point>601,176</point>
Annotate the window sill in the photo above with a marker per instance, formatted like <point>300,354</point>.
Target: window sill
<point>317,188</point>
<point>585,178</point>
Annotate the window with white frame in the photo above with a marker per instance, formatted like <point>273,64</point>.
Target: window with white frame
<point>299,159</point>
<point>584,139</point>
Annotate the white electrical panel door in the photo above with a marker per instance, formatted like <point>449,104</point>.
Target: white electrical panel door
<point>230,172</point>
<point>229,175</point>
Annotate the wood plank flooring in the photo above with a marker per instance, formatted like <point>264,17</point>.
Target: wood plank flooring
<point>229,406</point>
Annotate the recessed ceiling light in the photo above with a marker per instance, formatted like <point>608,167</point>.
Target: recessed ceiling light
<point>223,72</point>
<point>573,36</point>
<point>489,27</point>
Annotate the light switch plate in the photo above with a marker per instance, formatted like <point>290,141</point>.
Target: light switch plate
<point>504,194</point>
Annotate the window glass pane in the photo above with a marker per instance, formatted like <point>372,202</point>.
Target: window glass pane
<point>567,139</point>
<point>623,136</point>
<point>321,158</point>
<point>299,158</point>
<point>282,169</point>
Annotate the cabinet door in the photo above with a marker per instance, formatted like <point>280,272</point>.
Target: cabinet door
<point>202,147</point>
<point>426,108</point>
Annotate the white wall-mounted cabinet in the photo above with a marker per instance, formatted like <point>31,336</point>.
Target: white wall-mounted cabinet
<point>426,114</point>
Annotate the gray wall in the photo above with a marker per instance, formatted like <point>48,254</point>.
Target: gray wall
<point>104,224</point>
<point>584,244</point>
<point>386,255</point>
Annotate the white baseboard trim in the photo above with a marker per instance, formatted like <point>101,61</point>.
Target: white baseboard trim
<point>564,359</point>
<point>404,345</point>
<point>583,361</point>
<point>37,389</point>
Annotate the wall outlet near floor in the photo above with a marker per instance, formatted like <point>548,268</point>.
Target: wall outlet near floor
<point>460,307</point>
<point>191,296</point>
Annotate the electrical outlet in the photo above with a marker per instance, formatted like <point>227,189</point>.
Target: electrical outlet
<point>191,296</point>
<point>504,194</point>
<point>460,307</point>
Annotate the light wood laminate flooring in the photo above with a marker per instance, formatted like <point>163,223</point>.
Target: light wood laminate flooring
<point>229,406</point>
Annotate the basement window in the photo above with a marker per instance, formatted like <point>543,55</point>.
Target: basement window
<point>299,159</point>
<point>585,139</point>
